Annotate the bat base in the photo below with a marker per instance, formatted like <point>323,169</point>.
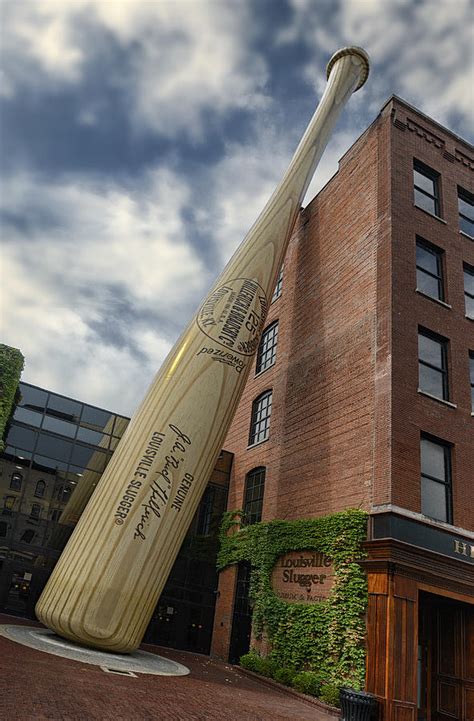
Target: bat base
<point>138,662</point>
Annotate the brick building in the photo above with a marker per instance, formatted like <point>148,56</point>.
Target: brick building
<point>362,396</point>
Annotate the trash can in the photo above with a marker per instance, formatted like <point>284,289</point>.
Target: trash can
<point>357,705</point>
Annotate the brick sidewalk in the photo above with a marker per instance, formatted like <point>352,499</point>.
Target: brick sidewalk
<point>36,686</point>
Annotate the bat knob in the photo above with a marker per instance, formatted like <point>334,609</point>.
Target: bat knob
<point>361,57</point>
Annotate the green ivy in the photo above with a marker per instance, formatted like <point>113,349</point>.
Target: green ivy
<point>328,636</point>
<point>11,366</point>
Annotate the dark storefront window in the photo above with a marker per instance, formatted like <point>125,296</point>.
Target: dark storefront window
<point>429,269</point>
<point>436,479</point>
<point>426,187</point>
<point>433,364</point>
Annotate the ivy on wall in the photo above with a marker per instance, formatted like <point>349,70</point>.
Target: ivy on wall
<point>328,636</point>
<point>11,366</point>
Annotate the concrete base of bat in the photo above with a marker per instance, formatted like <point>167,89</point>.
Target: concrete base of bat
<point>138,662</point>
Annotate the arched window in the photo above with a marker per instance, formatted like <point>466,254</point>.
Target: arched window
<point>267,349</point>
<point>260,420</point>
<point>66,494</point>
<point>253,497</point>
<point>15,481</point>
<point>40,489</point>
<point>28,536</point>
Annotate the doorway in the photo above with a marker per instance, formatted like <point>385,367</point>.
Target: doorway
<point>445,660</point>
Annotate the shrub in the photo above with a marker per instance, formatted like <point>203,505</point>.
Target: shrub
<point>258,664</point>
<point>284,675</point>
<point>307,682</point>
<point>330,694</point>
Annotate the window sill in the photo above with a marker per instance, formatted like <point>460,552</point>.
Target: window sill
<point>436,300</point>
<point>431,215</point>
<point>466,235</point>
<point>259,443</point>
<point>260,373</point>
<point>435,398</point>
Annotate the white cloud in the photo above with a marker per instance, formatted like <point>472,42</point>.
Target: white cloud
<point>181,58</point>
<point>57,279</point>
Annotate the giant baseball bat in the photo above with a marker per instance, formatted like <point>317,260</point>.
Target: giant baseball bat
<point>109,577</point>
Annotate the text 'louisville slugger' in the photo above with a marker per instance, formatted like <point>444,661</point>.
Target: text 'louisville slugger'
<point>109,577</point>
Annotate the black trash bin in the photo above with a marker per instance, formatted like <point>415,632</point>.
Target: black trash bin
<point>358,705</point>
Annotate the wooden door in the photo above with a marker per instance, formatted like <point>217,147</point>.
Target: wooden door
<point>452,662</point>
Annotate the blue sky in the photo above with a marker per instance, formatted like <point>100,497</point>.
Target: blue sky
<point>139,141</point>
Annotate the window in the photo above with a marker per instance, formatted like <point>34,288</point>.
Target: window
<point>15,481</point>
<point>260,421</point>
<point>8,505</point>
<point>469,290</point>
<point>433,364</point>
<point>429,269</point>
<point>27,536</point>
<point>35,511</point>
<point>278,287</point>
<point>266,353</point>
<point>253,497</point>
<point>466,211</point>
<point>436,479</point>
<point>3,529</point>
<point>56,515</point>
<point>471,376</point>
<point>426,186</point>
<point>40,489</point>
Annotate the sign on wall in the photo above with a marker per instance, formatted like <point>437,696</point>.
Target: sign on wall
<point>303,577</point>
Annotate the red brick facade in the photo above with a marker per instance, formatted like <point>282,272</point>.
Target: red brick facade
<point>347,415</point>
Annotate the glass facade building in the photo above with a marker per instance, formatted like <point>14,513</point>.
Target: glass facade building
<point>56,449</point>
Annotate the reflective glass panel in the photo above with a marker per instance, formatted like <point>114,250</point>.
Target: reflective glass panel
<point>88,457</point>
<point>56,425</point>
<point>54,447</point>
<point>427,284</point>
<point>426,259</point>
<point>425,202</point>
<point>433,459</point>
<point>431,381</point>
<point>469,281</point>
<point>424,182</point>
<point>47,464</point>
<point>24,415</point>
<point>97,419</point>
<point>64,408</point>
<point>430,351</point>
<point>433,499</point>
<point>21,437</point>
<point>32,397</point>
<point>89,436</point>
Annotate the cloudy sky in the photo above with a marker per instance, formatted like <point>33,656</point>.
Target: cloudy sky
<point>139,141</point>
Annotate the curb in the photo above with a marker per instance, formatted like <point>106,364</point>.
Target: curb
<point>331,711</point>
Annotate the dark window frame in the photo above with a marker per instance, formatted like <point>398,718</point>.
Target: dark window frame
<point>253,495</point>
<point>448,484</point>
<point>434,176</point>
<point>278,287</point>
<point>438,253</point>
<point>40,484</point>
<point>35,513</point>
<point>468,198</point>
<point>444,370</point>
<point>260,418</point>
<point>469,270</point>
<point>266,353</point>
<point>16,481</point>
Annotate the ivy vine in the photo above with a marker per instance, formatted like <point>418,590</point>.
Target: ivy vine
<point>11,366</point>
<point>328,636</point>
